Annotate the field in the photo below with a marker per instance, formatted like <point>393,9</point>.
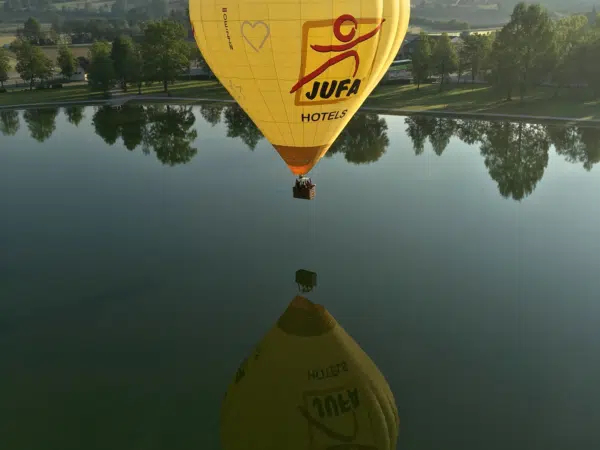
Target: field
<point>6,39</point>
<point>81,5</point>
<point>52,51</point>
<point>10,28</point>
<point>78,50</point>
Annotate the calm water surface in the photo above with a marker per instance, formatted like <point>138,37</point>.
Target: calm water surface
<point>144,252</point>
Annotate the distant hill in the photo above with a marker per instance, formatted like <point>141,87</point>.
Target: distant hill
<point>484,13</point>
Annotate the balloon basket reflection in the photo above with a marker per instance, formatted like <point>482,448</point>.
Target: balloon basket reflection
<point>305,193</point>
<point>306,280</point>
<point>304,188</point>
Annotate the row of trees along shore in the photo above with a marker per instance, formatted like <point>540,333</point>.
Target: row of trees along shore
<point>530,50</point>
<point>160,54</point>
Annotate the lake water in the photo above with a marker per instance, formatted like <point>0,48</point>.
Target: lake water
<point>144,252</point>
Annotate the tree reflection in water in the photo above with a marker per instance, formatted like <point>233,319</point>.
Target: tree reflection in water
<point>41,122</point>
<point>106,123</point>
<point>240,125</point>
<point>74,114</point>
<point>419,128</point>
<point>579,145</point>
<point>170,133</point>
<point>9,122</point>
<point>439,130</point>
<point>133,126</point>
<point>212,112</point>
<point>364,140</point>
<point>163,129</point>
<point>515,153</point>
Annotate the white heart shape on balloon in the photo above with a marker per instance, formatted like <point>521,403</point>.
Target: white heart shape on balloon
<point>253,25</point>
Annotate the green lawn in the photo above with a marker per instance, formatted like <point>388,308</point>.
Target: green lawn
<point>573,103</point>
<point>67,94</point>
<point>192,89</point>
<point>204,89</point>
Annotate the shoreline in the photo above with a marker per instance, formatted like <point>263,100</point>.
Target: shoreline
<point>122,100</point>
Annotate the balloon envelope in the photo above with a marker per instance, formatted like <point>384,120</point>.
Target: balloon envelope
<point>299,68</point>
<point>308,386</point>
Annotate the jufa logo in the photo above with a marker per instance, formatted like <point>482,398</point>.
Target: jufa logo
<point>315,86</point>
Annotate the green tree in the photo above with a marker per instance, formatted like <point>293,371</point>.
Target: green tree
<point>364,140</point>
<point>504,60</point>
<point>9,122</point>
<point>138,74</point>
<point>475,51</point>
<point>200,62</point>
<point>56,23</point>
<point>66,61</point>
<point>569,33</point>
<point>165,51</point>
<point>41,122</point>
<point>463,59</point>
<point>32,63</point>
<point>445,59</point>
<point>125,60</point>
<point>4,66</point>
<point>584,60</point>
<point>32,31</point>
<point>421,60</point>
<point>74,114</point>
<point>101,73</point>
<point>532,37</point>
<point>196,54</point>
<point>239,124</point>
<point>171,133</point>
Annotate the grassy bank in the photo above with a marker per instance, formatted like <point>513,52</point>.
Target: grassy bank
<point>541,101</point>
<point>573,103</point>
<point>80,92</point>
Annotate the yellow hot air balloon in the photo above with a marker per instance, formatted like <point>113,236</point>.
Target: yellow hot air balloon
<point>308,386</point>
<point>300,68</point>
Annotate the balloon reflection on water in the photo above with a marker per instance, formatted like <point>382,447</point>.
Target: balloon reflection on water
<point>308,385</point>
